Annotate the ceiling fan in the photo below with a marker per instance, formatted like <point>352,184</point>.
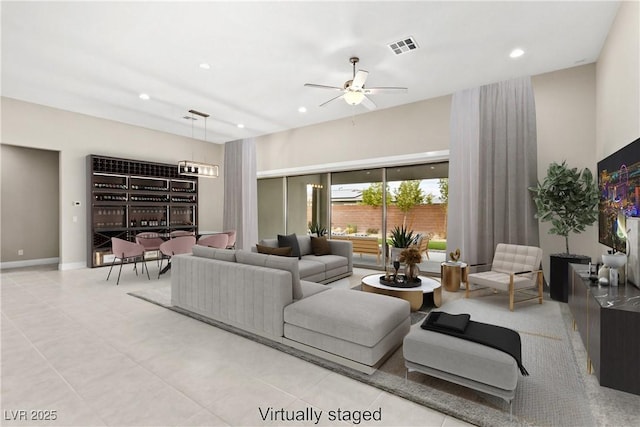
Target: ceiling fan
<point>354,92</point>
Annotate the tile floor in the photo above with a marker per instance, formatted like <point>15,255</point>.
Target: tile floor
<point>79,349</point>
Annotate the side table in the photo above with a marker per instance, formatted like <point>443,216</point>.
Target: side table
<point>452,274</point>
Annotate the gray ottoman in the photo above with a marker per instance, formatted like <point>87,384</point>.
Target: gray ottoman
<point>356,326</point>
<point>462,362</point>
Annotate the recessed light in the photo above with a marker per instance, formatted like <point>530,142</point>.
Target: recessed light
<point>205,66</point>
<point>302,109</point>
<point>145,96</point>
<point>240,125</point>
<point>516,53</point>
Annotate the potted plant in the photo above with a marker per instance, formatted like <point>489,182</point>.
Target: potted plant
<point>569,199</point>
<point>317,229</point>
<point>401,238</point>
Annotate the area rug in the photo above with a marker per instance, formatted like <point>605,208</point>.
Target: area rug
<point>553,394</point>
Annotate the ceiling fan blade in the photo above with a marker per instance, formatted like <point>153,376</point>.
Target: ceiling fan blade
<point>323,86</point>
<point>332,99</point>
<point>390,89</point>
<point>368,104</point>
<point>359,79</point>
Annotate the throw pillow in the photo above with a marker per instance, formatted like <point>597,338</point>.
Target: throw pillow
<point>284,251</point>
<point>290,240</point>
<point>320,246</point>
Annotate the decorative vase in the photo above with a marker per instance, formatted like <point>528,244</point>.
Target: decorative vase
<point>603,275</point>
<point>411,271</point>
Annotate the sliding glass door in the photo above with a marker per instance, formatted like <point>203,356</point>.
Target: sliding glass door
<point>307,203</point>
<point>420,196</point>
<point>357,214</point>
<point>362,206</point>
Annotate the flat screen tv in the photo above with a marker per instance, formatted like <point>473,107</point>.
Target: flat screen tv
<point>619,186</point>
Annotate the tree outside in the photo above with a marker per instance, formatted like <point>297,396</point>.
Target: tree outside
<point>407,195</point>
<point>443,184</point>
<point>372,195</point>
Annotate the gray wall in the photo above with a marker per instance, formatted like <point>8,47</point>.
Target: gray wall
<point>30,199</point>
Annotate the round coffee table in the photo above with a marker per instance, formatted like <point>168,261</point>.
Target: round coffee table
<point>371,283</point>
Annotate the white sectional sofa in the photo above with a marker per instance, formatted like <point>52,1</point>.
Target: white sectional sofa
<point>263,294</point>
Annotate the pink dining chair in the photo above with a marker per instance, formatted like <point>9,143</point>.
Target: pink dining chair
<point>150,241</point>
<point>175,246</point>
<point>232,238</point>
<point>125,250</point>
<point>219,240</point>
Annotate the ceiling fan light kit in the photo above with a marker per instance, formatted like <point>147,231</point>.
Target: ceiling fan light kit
<point>353,97</point>
<point>354,92</point>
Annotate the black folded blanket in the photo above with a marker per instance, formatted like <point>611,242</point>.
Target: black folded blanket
<point>461,326</point>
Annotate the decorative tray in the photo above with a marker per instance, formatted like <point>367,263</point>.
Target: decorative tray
<point>400,281</point>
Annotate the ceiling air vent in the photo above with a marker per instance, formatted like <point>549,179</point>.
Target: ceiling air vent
<point>402,46</point>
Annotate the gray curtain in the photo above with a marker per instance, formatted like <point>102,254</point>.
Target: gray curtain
<point>240,211</point>
<point>493,162</point>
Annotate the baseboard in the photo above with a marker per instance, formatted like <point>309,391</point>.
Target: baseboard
<point>28,263</point>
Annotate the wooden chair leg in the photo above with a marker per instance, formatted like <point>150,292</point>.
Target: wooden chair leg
<point>539,287</point>
<point>511,293</point>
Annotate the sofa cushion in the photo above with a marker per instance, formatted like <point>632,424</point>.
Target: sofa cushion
<point>320,246</point>
<point>278,262</point>
<point>312,288</point>
<point>269,242</point>
<point>284,251</point>
<point>330,262</point>
<point>291,241</point>
<point>214,253</point>
<point>310,268</point>
<point>353,316</point>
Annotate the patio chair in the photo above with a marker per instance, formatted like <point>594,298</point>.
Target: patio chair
<point>422,243</point>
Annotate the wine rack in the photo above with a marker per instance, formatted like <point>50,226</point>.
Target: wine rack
<point>127,197</point>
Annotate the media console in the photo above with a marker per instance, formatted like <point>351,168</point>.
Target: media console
<point>608,320</point>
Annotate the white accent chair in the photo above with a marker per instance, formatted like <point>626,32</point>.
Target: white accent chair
<point>514,268</point>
